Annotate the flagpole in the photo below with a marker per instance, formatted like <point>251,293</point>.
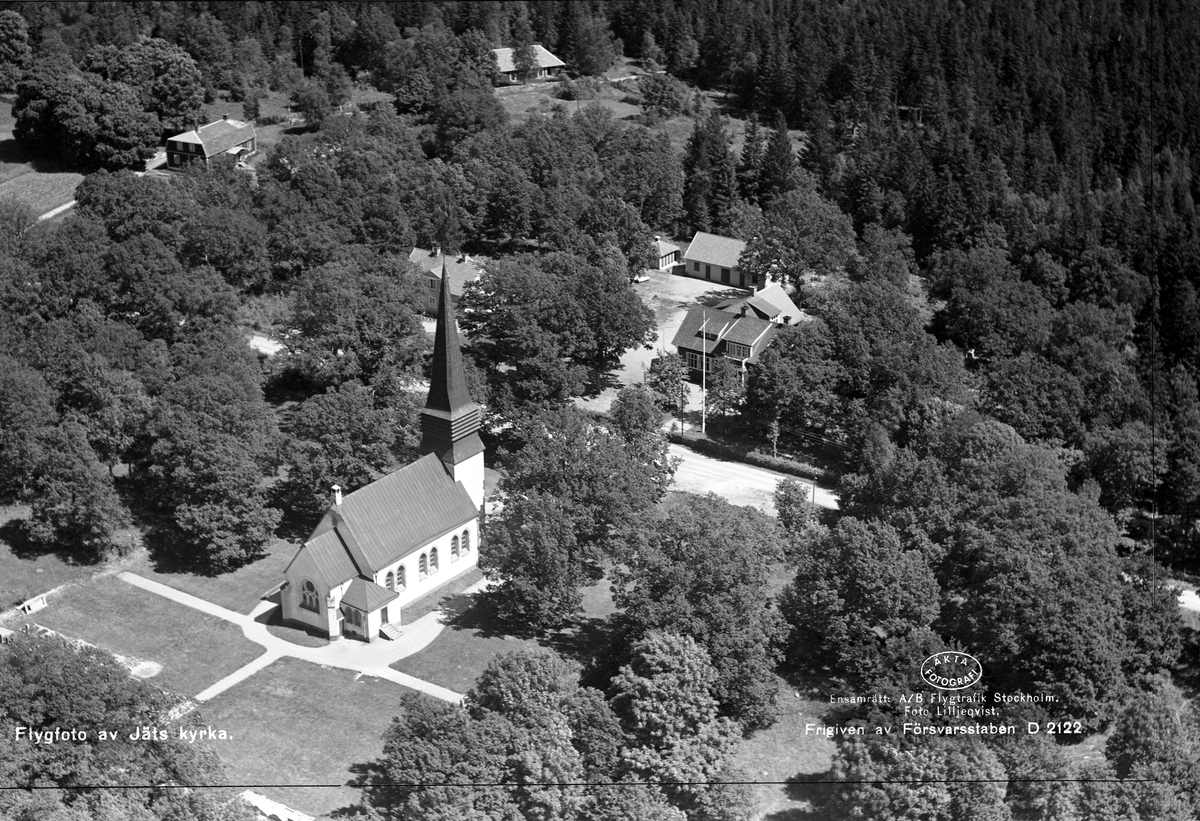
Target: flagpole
<point>703,377</point>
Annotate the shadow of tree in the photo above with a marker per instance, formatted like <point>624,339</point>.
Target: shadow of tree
<point>810,789</point>
<point>13,534</point>
<point>10,152</point>
<point>713,297</point>
<point>479,613</point>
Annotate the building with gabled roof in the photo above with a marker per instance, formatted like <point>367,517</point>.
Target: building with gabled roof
<point>462,270</point>
<point>547,63</point>
<point>715,258</point>
<point>771,303</point>
<point>667,253</point>
<point>223,136</point>
<point>707,334</point>
<point>396,540</point>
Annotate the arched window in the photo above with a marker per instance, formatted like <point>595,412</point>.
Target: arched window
<point>466,542</point>
<point>423,567</point>
<point>391,580</point>
<point>401,578</point>
<point>433,562</point>
<point>454,549</point>
<point>308,597</point>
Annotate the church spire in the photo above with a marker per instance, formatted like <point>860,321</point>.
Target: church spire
<point>448,382</point>
<point>450,420</point>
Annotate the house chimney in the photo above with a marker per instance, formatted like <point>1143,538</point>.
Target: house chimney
<point>337,495</point>
<point>744,310</point>
<point>225,116</point>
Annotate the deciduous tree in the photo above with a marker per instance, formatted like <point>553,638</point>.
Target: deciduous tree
<point>671,579</point>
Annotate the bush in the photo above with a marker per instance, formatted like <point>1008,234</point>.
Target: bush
<point>702,444</point>
<point>583,88</point>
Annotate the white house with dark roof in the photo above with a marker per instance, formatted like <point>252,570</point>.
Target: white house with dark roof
<point>707,334</point>
<point>715,258</point>
<point>547,64</point>
<point>223,136</point>
<point>667,253</point>
<point>462,270</point>
<point>400,538</point>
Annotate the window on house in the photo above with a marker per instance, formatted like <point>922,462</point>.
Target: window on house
<point>738,351</point>
<point>454,549</point>
<point>423,567</point>
<point>693,360</point>
<point>308,597</point>
<point>174,160</point>
<point>391,580</point>
<point>466,542</point>
<point>724,274</point>
<point>708,272</point>
<point>696,266</point>
<point>433,561</point>
<point>401,578</point>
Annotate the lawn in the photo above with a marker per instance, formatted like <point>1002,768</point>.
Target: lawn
<point>42,188</point>
<point>463,650</point>
<point>784,753</point>
<point>473,637</point>
<point>25,571</point>
<point>303,724</point>
<point>239,590</point>
<point>194,649</point>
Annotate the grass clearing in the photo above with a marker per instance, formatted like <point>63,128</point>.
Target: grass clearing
<point>464,649</point>
<point>784,752</point>
<point>474,636</point>
<point>194,649</point>
<point>239,590</point>
<point>41,185</point>
<point>296,723</point>
<point>25,571</point>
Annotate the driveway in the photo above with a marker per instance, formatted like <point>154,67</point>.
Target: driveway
<point>736,482</point>
<point>669,297</point>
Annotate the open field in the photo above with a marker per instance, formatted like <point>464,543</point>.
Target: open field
<point>194,649</point>
<point>296,723</point>
<point>26,571</point>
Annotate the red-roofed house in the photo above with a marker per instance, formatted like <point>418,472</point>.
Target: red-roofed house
<point>224,136</point>
<point>396,540</point>
<point>462,270</point>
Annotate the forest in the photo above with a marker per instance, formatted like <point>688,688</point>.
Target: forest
<point>988,210</point>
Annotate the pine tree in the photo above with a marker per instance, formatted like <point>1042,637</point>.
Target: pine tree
<point>778,164</point>
<point>710,178</point>
<point>751,164</point>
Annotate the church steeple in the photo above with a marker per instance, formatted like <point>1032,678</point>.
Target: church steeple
<point>450,420</point>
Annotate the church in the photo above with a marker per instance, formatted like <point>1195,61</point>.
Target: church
<point>400,538</point>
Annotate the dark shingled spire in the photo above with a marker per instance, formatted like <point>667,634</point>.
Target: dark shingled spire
<point>450,420</point>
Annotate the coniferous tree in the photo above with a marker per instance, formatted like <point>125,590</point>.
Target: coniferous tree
<point>778,163</point>
<point>750,166</point>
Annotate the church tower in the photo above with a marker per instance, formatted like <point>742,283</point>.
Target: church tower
<point>450,420</point>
